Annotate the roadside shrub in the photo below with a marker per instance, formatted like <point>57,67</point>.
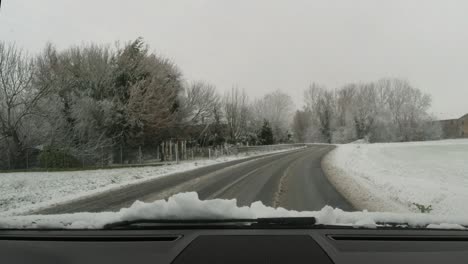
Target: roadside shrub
<point>423,208</point>
<point>56,158</point>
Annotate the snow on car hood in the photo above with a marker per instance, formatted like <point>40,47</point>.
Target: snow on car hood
<point>189,206</point>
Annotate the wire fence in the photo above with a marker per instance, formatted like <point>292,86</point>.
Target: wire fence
<point>169,152</point>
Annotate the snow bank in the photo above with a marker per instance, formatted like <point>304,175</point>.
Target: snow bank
<point>189,206</point>
<point>23,192</point>
<point>394,177</point>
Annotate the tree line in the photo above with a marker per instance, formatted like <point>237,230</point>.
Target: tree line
<point>386,110</point>
<point>75,102</point>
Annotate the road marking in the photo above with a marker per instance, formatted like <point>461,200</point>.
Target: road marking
<point>225,188</point>
<point>188,185</point>
<point>282,186</point>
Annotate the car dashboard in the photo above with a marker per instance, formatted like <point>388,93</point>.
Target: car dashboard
<point>219,245</point>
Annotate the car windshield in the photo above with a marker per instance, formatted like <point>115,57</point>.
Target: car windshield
<point>350,113</point>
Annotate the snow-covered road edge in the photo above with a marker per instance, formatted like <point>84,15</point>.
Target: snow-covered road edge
<point>357,192</point>
<point>158,172</point>
<point>424,176</point>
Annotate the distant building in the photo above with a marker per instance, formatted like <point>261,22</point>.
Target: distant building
<point>455,128</point>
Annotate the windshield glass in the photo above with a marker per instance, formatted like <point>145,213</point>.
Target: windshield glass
<point>351,112</point>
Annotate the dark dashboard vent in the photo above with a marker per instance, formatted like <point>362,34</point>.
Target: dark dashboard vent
<point>91,238</point>
<point>247,249</point>
<point>387,238</point>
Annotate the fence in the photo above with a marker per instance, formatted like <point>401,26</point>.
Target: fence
<point>247,149</point>
<point>120,156</point>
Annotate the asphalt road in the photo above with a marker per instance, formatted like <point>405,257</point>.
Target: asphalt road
<point>293,180</point>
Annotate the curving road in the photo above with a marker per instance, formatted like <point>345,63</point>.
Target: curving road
<point>293,180</point>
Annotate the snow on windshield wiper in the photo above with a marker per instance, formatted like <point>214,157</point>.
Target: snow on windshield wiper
<point>286,222</point>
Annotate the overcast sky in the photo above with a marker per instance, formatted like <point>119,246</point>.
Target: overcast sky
<point>264,45</point>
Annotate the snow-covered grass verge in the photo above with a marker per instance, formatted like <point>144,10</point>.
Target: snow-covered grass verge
<point>400,177</point>
<point>189,206</point>
<point>24,192</point>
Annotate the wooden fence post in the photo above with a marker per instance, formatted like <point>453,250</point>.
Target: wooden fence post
<point>157,152</point>
<point>121,154</point>
<point>170,149</point>
<point>177,151</point>
<point>140,155</point>
<point>27,159</point>
<point>182,156</point>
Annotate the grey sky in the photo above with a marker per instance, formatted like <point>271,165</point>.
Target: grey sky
<point>264,45</point>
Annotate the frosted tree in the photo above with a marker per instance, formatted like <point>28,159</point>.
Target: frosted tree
<point>320,103</point>
<point>199,102</point>
<point>277,108</point>
<point>301,125</point>
<point>90,120</point>
<point>19,100</point>
<point>344,126</point>
<point>407,108</point>
<point>154,101</point>
<point>364,109</point>
<point>79,110</point>
<point>236,111</point>
<point>200,107</point>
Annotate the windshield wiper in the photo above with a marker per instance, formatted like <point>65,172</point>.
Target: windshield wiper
<point>280,222</point>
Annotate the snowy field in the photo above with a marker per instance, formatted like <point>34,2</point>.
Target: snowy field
<point>189,206</point>
<point>399,177</point>
<point>24,192</point>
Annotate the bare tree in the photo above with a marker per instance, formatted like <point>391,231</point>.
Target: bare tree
<point>235,104</point>
<point>301,125</point>
<point>276,107</point>
<point>18,98</point>
<point>200,102</point>
<point>200,108</point>
<point>320,103</point>
<point>344,103</point>
<point>344,129</point>
<point>364,109</point>
<point>407,108</point>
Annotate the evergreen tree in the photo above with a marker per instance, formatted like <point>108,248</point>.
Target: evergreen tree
<point>266,134</point>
